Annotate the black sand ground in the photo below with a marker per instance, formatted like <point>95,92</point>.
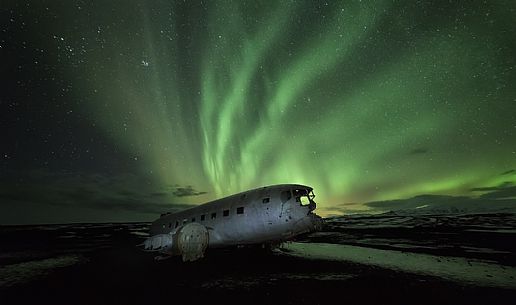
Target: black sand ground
<point>99,264</point>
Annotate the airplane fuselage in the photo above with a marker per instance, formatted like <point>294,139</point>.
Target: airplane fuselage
<point>264,215</point>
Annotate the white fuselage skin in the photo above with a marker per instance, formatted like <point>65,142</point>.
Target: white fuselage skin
<point>264,215</point>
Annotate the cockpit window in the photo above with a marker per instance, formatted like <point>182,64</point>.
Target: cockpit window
<point>304,200</point>
<point>303,196</point>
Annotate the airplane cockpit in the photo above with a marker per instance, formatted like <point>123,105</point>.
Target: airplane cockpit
<point>305,197</point>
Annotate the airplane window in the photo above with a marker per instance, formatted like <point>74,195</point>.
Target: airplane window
<point>240,210</point>
<point>203,217</point>
<point>285,196</point>
<point>225,213</point>
<point>266,200</point>
<point>193,219</point>
<point>185,221</point>
<point>300,192</point>
<point>305,200</point>
<point>213,215</point>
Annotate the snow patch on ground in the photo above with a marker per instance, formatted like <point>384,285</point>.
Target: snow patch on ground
<point>253,282</point>
<point>24,272</point>
<point>139,234</point>
<point>469,271</point>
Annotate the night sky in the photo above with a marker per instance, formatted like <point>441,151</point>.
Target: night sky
<point>119,110</point>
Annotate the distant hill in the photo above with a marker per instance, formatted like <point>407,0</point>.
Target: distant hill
<point>439,204</point>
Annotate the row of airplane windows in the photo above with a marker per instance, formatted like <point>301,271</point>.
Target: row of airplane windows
<point>225,213</point>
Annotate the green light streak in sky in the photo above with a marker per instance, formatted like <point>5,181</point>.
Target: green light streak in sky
<point>232,102</point>
<point>361,100</point>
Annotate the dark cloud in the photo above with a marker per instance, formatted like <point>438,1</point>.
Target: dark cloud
<point>501,186</point>
<point>421,200</point>
<point>419,151</point>
<point>507,192</point>
<point>486,199</point>
<point>186,191</point>
<point>53,191</point>
<point>508,172</point>
<point>444,203</point>
<point>502,197</point>
<point>504,190</point>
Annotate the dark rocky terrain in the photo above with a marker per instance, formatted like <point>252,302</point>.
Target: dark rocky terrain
<point>100,264</point>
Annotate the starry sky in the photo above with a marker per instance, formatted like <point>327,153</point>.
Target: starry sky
<point>119,110</point>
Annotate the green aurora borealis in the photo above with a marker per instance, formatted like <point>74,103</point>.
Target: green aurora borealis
<point>362,100</point>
